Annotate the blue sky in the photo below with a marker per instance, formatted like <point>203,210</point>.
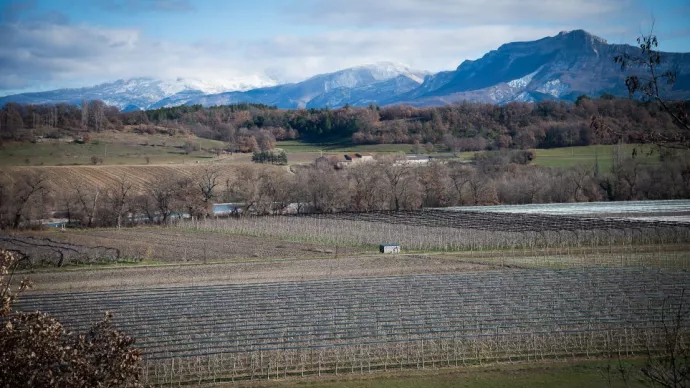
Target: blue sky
<point>55,43</point>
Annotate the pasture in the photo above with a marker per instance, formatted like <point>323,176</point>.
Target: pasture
<point>114,148</point>
<point>128,148</point>
<point>563,374</point>
<point>297,146</point>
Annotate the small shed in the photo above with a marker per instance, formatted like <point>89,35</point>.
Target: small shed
<point>389,248</point>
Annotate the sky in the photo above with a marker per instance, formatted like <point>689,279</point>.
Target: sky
<point>49,44</point>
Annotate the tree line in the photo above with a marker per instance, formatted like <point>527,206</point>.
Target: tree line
<point>387,183</point>
<point>466,126</point>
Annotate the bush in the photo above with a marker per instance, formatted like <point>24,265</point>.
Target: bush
<point>279,158</point>
<point>189,147</point>
<point>37,351</point>
<point>504,157</point>
<point>522,156</point>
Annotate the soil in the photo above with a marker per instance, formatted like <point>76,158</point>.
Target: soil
<point>136,277</point>
<point>177,245</point>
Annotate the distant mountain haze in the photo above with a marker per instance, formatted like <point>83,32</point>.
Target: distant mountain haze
<point>560,67</point>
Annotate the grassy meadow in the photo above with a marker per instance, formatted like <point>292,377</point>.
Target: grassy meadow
<point>588,155</point>
<point>114,147</point>
<point>127,148</point>
<point>536,375</point>
<point>300,152</point>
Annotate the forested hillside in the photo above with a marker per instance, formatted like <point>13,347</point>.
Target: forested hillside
<point>465,126</point>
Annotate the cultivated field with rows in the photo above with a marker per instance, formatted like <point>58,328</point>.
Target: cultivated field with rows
<point>247,298</point>
<point>160,245</point>
<point>433,229</point>
<point>64,178</point>
<point>212,333</point>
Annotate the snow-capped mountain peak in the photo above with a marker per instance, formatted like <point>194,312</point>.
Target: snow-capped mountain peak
<point>143,92</point>
<point>382,71</point>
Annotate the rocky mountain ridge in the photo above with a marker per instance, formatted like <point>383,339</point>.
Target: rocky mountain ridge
<point>562,67</point>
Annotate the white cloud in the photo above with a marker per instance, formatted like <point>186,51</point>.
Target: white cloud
<point>429,35</point>
<point>422,48</point>
<point>68,55</point>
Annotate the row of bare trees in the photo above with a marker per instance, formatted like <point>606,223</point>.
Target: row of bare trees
<point>387,183</point>
<point>29,196</point>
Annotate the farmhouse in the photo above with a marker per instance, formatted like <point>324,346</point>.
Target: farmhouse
<point>359,157</point>
<point>341,161</point>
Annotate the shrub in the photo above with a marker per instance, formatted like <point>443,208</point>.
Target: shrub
<point>189,147</point>
<point>279,157</point>
<point>37,351</point>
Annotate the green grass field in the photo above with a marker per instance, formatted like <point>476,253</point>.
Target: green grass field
<point>571,156</point>
<point>537,375</point>
<point>554,157</point>
<point>122,148</point>
<point>293,146</point>
<point>114,148</point>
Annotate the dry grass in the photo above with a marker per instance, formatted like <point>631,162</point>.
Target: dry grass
<point>64,178</point>
<point>173,245</point>
<point>136,277</point>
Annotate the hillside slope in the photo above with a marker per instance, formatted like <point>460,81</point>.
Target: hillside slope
<point>560,67</point>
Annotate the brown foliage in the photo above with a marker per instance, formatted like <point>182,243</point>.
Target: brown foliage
<point>37,351</point>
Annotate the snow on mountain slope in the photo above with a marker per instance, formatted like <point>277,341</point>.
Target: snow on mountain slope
<point>553,87</point>
<point>141,93</point>
<point>365,95</point>
<point>332,89</point>
<point>560,67</point>
<point>556,67</point>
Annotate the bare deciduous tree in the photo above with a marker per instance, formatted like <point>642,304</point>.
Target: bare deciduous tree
<point>671,369</point>
<point>162,198</point>
<point>368,189</point>
<point>27,195</point>
<point>120,197</point>
<point>87,201</point>
<point>657,77</point>
<point>208,180</point>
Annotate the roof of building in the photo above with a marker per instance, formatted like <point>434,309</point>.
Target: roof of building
<point>337,158</point>
<point>417,157</point>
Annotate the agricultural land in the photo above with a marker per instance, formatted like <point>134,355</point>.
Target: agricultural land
<point>307,300</point>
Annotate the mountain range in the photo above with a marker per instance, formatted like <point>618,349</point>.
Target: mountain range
<point>560,67</point>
